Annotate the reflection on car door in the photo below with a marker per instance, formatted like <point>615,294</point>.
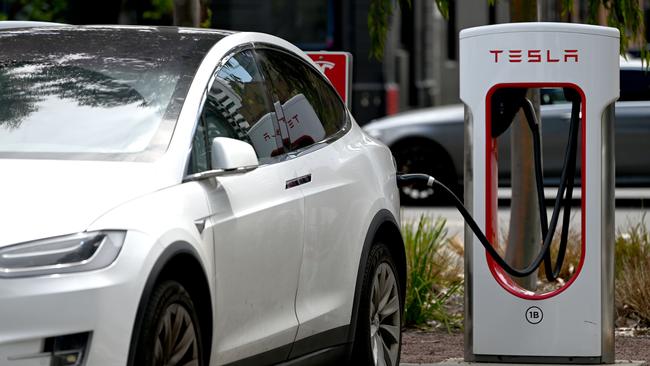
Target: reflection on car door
<point>257,222</point>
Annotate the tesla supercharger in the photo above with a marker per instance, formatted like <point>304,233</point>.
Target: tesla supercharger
<point>574,321</point>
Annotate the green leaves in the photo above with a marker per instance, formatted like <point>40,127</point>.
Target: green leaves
<point>625,15</point>
<point>379,14</point>
<point>434,274</point>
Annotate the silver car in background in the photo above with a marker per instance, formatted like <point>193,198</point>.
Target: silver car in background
<point>431,141</point>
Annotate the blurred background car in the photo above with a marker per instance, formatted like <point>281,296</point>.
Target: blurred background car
<point>431,141</point>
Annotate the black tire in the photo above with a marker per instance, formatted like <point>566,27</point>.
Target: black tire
<point>379,259</point>
<point>158,345</point>
<point>423,156</point>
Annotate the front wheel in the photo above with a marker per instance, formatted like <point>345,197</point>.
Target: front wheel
<point>170,333</point>
<point>379,334</point>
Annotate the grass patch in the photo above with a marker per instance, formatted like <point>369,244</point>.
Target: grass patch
<point>435,274</point>
<point>632,271</point>
<point>571,257</point>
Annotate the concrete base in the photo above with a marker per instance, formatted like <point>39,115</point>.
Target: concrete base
<point>460,362</point>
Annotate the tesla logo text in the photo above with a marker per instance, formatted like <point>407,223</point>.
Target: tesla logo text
<point>325,65</point>
<point>534,56</point>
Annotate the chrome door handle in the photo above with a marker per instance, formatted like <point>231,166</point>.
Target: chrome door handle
<point>298,181</point>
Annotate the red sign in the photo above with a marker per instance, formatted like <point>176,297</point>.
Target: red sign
<point>337,66</point>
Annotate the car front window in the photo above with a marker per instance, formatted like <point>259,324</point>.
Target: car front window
<point>81,105</point>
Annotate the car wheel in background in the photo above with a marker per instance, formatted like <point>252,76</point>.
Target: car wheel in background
<point>170,333</point>
<point>379,322</point>
<point>418,156</point>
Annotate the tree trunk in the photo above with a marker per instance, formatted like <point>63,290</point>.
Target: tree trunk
<point>524,236</point>
<point>187,13</point>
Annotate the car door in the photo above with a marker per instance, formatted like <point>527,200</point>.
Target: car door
<point>256,220</point>
<point>313,125</point>
<point>632,133</point>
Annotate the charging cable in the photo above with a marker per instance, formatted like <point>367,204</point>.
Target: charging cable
<point>565,193</point>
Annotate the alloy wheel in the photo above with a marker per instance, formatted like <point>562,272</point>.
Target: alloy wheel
<point>176,341</point>
<point>384,317</point>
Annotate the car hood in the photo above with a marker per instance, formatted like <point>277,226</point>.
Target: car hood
<point>46,198</point>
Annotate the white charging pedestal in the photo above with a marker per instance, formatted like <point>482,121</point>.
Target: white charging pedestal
<point>573,323</point>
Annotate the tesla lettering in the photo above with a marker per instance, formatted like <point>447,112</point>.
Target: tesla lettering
<point>535,56</point>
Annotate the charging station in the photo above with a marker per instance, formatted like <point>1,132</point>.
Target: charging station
<point>573,323</point>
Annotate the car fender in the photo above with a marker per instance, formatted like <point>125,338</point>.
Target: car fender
<point>381,218</point>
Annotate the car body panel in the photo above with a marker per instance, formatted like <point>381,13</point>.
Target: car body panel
<point>258,228</point>
<point>336,214</point>
<point>96,187</point>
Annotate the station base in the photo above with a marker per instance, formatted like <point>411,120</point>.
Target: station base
<point>460,362</point>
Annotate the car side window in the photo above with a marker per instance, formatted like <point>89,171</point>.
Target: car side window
<point>635,85</point>
<point>308,109</point>
<point>238,106</point>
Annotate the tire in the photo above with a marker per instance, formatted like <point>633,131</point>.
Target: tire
<point>170,333</point>
<point>379,327</point>
<point>420,156</point>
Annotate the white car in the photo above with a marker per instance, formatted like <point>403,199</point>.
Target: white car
<point>176,196</point>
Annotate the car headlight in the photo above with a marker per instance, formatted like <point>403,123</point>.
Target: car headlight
<point>63,254</point>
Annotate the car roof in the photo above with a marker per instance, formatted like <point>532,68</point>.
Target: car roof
<point>447,113</point>
<point>631,63</point>
<point>180,47</point>
<point>12,24</point>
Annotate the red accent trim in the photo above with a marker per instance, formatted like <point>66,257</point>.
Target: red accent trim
<point>491,198</point>
<point>496,54</point>
<point>548,57</point>
<point>392,99</point>
<point>534,56</point>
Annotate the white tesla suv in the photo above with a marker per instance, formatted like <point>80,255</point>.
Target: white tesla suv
<point>176,196</point>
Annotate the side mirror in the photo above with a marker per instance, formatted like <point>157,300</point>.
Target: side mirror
<point>230,154</point>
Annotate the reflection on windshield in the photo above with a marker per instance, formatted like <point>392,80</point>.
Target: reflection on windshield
<point>85,91</point>
<point>77,104</point>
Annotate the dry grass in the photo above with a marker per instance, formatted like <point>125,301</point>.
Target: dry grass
<point>435,273</point>
<point>633,273</point>
<point>571,258</point>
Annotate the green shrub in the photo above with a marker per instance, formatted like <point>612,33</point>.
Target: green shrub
<point>434,273</point>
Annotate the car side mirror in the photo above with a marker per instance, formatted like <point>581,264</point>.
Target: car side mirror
<point>231,154</point>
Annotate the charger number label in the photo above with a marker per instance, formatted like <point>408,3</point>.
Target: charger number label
<point>534,315</point>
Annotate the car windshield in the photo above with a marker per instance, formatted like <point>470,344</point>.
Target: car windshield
<point>92,92</point>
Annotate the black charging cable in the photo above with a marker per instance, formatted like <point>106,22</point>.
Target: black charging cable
<point>564,195</point>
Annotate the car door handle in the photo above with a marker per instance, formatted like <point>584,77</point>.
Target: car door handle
<point>295,182</point>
